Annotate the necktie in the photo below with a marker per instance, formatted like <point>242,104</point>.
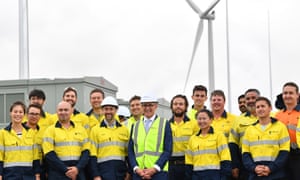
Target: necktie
<point>147,124</point>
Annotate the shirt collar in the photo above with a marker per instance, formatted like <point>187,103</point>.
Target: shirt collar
<point>58,125</point>
<point>185,119</point>
<point>75,112</point>
<point>25,124</point>
<point>90,112</point>
<point>224,114</point>
<point>297,108</point>
<point>152,118</point>
<point>273,120</point>
<point>211,131</point>
<point>8,128</point>
<point>103,124</point>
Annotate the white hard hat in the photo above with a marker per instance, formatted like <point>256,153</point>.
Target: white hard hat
<point>123,111</point>
<point>109,101</point>
<point>148,98</point>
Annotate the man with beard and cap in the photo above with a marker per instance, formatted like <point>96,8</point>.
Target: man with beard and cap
<point>70,96</point>
<point>182,129</point>
<point>242,104</point>
<point>66,146</point>
<point>109,142</point>
<point>237,132</point>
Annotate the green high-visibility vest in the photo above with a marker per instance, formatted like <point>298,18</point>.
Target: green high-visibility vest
<point>148,146</point>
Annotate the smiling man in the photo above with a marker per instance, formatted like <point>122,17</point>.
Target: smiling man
<point>66,146</point>
<point>109,145</point>
<point>265,145</point>
<point>289,115</point>
<point>150,145</point>
<point>136,111</point>
<point>182,129</point>
<point>199,97</point>
<point>222,121</point>
<point>95,114</point>
<point>70,96</point>
<point>237,132</point>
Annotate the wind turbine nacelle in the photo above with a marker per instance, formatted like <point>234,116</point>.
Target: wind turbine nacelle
<point>210,16</point>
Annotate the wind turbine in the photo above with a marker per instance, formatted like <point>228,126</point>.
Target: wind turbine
<point>208,15</point>
<point>23,40</point>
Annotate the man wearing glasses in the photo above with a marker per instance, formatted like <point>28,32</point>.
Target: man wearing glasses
<point>150,144</point>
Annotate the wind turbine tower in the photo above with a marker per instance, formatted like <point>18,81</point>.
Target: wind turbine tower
<point>23,40</point>
<point>208,15</point>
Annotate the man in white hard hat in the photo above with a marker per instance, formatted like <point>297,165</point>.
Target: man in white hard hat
<point>109,144</point>
<point>150,144</point>
<point>123,114</point>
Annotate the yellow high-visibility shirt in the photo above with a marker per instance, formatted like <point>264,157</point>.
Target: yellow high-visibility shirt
<point>15,150</point>
<point>207,152</point>
<point>109,143</point>
<point>66,143</point>
<point>224,123</point>
<point>239,127</point>
<point>192,113</point>
<point>181,134</point>
<point>264,145</point>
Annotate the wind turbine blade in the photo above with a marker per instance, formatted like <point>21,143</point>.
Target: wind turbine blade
<point>197,40</point>
<point>212,5</point>
<point>194,6</point>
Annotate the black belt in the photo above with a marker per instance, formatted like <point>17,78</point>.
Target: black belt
<point>176,162</point>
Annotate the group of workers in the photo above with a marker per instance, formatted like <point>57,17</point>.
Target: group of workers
<point>196,144</point>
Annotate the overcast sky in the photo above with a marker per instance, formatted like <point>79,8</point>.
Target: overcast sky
<point>145,46</point>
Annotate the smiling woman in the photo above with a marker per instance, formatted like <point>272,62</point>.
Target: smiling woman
<point>19,158</point>
<point>207,152</point>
